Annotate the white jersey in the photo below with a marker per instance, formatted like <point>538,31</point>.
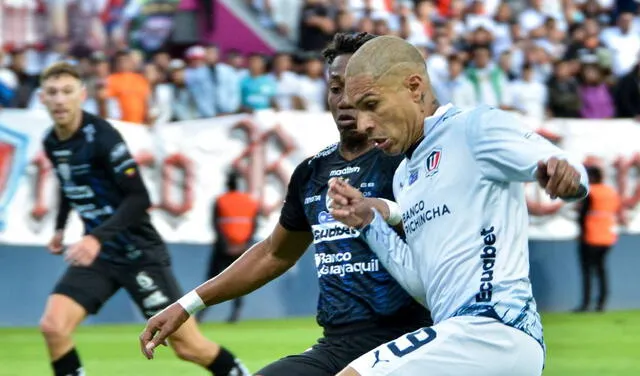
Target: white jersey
<point>465,217</point>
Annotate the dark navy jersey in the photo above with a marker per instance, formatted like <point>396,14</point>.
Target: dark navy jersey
<point>100,180</point>
<point>354,286</point>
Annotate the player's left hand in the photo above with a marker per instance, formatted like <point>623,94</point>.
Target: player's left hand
<point>160,327</point>
<point>84,252</point>
<point>558,177</point>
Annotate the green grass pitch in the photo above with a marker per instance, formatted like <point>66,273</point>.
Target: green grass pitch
<point>578,345</point>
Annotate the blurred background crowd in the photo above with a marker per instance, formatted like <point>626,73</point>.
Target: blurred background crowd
<point>542,58</point>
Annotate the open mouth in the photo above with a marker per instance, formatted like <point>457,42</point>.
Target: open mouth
<point>381,142</point>
<point>346,121</point>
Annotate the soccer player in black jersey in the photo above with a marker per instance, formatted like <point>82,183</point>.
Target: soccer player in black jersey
<point>120,248</point>
<point>360,305</point>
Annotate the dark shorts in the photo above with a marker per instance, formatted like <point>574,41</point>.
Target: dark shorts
<point>152,287</point>
<point>331,354</point>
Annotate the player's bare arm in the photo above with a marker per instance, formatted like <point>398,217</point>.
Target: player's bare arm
<point>262,263</point>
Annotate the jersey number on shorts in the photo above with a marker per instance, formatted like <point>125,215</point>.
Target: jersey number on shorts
<point>416,340</point>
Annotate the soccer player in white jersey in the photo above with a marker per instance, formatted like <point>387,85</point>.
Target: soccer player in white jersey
<point>460,198</point>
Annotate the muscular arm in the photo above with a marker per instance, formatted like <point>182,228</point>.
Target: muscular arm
<point>64,208</point>
<point>115,155</point>
<point>263,262</point>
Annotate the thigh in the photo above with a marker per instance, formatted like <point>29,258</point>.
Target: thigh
<point>456,347</point>
<point>152,287</point>
<point>90,287</point>
<point>326,358</point>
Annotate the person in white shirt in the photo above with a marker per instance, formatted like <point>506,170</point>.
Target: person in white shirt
<point>312,87</point>
<point>529,95</point>
<point>462,206</point>
<point>624,44</point>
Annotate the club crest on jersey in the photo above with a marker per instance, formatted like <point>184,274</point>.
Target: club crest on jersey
<point>433,162</point>
<point>413,176</point>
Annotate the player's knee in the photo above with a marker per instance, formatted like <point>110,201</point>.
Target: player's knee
<point>54,328</point>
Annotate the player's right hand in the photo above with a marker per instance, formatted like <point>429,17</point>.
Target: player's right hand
<point>55,244</point>
<point>348,205</point>
<point>160,327</point>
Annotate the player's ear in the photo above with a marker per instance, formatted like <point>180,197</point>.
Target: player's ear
<point>415,84</point>
<point>83,92</point>
<point>41,95</point>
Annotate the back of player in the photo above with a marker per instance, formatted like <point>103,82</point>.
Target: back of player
<point>99,179</point>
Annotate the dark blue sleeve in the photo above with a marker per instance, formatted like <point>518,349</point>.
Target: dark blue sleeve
<point>292,216</point>
<point>114,155</point>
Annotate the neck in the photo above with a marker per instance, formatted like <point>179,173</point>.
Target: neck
<point>65,131</point>
<point>352,151</point>
<point>429,109</point>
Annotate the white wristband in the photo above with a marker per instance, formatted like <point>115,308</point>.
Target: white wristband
<point>395,214</point>
<point>192,302</point>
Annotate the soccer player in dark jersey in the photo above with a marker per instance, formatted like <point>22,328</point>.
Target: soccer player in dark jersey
<point>360,305</point>
<point>120,248</point>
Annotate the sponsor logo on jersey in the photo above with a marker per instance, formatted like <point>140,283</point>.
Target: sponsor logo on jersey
<point>61,153</point>
<point>433,162</point>
<point>312,199</point>
<point>488,257</point>
<point>89,132</point>
<point>65,171</point>
<point>118,151</point>
<point>91,212</point>
<point>345,171</point>
<point>341,264</point>
<point>77,192</point>
<point>418,214</point>
<point>329,231</point>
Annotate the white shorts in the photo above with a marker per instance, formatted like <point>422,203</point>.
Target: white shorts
<point>459,346</point>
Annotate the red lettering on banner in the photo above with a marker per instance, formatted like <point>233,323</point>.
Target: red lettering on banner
<point>537,207</point>
<point>43,169</point>
<point>183,164</point>
<point>630,197</point>
<point>252,165</point>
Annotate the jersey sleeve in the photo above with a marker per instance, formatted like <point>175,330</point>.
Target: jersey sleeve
<point>114,155</point>
<point>292,216</point>
<point>507,151</point>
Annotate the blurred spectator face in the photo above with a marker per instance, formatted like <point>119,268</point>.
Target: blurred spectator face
<point>516,31</point>
<point>282,63</point>
<point>177,77</point>
<point>101,68</point>
<point>591,74</point>
<point>481,57</point>
<point>212,55</point>
<point>84,66</point>
<point>101,91</point>
<point>562,71</point>
<point>482,36</point>
<point>477,7</point>
<point>591,8</point>
<point>313,68</point>
<point>162,60</point>
<point>344,21</point>
<point>236,60</point>
<point>536,4</point>
<point>380,27</point>
<point>527,73</point>
<point>625,20</point>
<point>579,34</point>
<point>456,9</point>
<point>137,60</point>
<point>443,46</point>
<point>124,63</point>
<point>365,25</point>
<point>424,10</point>
<point>591,27</point>
<point>151,73</point>
<point>504,13</point>
<point>256,65</point>
<point>18,61</point>
<point>343,114</point>
<point>455,68</point>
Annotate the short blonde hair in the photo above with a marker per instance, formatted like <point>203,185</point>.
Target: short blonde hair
<point>60,68</point>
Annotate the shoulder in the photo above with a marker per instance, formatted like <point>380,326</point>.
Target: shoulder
<point>324,155</point>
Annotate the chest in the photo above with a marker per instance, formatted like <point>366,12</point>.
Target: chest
<point>77,165</point>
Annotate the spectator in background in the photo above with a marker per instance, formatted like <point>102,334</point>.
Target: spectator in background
<point>457,89</point>
<point>99,102</point>
<point>628,94</point>
<point>506,65</point>
<point>287,83</point>
<point>160,109</point>
<point>345,22</point>
<point>8,83</point>
<point>317,25</point>
<point>130,89</point>
<point>529,95</point>
<point>27,82</point>
<point>595,97</point>
<point>200,83</point>
<point>234,223</point>
<point>312,87</point>
<point>597,220</point>
<point>623,43</point>
<point>162,59</point>
<point>183,106</point>
<point>489,82</point>
<point>564,96</point>
<point>226,81</point>
<point>257,89</point>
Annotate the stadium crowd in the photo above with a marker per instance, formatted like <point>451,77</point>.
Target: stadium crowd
<point>543,58</point>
